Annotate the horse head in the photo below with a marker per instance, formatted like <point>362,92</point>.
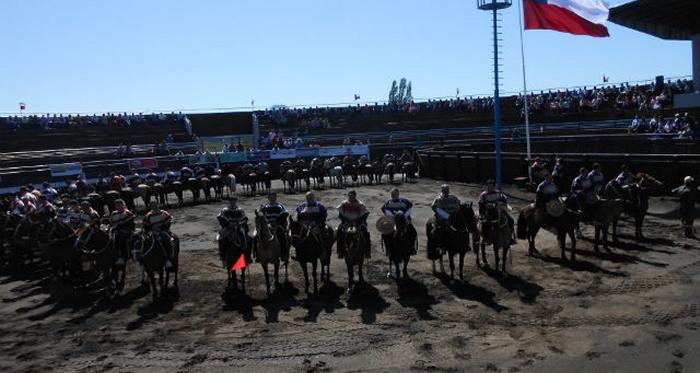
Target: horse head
<point>646,181</point>
<point>464,218</point>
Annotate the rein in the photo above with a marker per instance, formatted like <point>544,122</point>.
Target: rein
<point>87,239</point>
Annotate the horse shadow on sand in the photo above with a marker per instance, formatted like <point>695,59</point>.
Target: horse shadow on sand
<point>582,266</point>
<point>162,305</point>
<point>465,290</point>
<point>527,291</point>
<point>412,293</point>
<point>85,302</point>
<point>366,298</point>
<point>623,255</point>
<point>327,299</point>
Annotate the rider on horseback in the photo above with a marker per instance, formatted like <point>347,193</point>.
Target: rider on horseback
<point>491,195</point>
<point>547,191</point>
<point>444,206</point>
<point>627,181</point>
<point>389,157</point>
<point>313,214</point>
<point>276,215</point>
<point>157,222</point>
<point>232,216</point>
<point>186,173</point>
<point>597,178</point>
<point>401,204</point>
<point>352,212</point>
<point>123,226</point>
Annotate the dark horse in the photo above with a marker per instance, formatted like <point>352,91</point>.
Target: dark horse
<point>531,220</point>
<point>149,251</point>
<point>353,245</point>
<point>57,240</point>
<point>495,231</point>
<point>636,198</point>
<point>399,245</point>
<point>232,247</point>
<point>96,246</point>
<point>453,239</point>
<point>312,245</point>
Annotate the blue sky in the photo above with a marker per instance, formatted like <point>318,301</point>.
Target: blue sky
<point>87,56</point>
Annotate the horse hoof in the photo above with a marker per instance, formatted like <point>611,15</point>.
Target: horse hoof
<point>388,274</point>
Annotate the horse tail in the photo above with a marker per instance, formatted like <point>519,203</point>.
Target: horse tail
<point>522,225</point>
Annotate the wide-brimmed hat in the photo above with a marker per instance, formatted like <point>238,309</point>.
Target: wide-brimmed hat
<point>385,224</point>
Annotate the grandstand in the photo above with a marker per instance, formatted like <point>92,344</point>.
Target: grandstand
<point>602,129</point>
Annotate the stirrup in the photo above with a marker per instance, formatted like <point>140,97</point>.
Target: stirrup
<point>168,264</point>
<point>119,262</point>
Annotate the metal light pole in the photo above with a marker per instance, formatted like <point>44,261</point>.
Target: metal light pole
<point>495,6</point>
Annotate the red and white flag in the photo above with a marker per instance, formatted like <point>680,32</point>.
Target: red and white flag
<point>357,97</point>
<point>578,17</point>
<point>457,91</point>
<point>605,79</point>
<point>252,102</point>
<point>22,106</point>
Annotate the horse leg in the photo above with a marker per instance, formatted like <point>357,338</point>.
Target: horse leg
<point>496,255</point>
<point>154,288</point>
<point>561,237</point>
<point>596,238</point>
<point>614,231</point>
<point>461,266</point>
<point>359,271</point>
<point>305,270</point>
<point>505,256</point>
<point>351,279</point>
<point>452,268</point>
<point>315,274</point>
<point>277,276</point>
<point>572,236</point>
<point>267,279</point>
<point>405,266</point>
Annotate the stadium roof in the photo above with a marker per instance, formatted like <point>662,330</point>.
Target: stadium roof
<point>667,19</point>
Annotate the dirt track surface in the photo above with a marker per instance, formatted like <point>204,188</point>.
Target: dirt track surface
<point>634,309</point>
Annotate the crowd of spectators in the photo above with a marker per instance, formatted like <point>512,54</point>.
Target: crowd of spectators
<point>685,126</point>
<point>644,98</point>
<point>59,121</point>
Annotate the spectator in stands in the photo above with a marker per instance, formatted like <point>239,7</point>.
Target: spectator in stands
<point>170,139</point>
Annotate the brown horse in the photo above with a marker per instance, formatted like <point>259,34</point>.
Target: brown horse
<point>267,249</point>
<point>495,231</point>
<point>390,171</point>
<point>531,220</point>
<point>96,248</point>
<point>149,250</point>
<point>408,172</point>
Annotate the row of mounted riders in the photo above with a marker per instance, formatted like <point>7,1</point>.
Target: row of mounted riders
<point>347,171</point>
<point>81,255</point>
<point>252,178</point>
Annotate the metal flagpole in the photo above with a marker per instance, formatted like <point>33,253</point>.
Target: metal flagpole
<point>525,105</point>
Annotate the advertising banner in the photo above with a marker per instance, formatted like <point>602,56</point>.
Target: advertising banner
<point>202,158</point>
<point>283,153</point>
<point>232,157</point>
<point>66,169</point>
<point>143,163</point>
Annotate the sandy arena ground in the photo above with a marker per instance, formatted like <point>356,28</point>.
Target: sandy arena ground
<point>632,310</point>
